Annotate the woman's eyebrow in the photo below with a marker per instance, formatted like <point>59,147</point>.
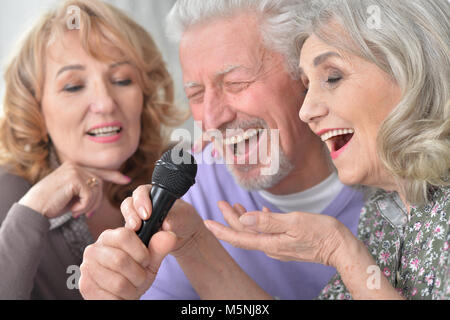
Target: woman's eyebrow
<point>320,59</point>
<point>323,57</point>
<point>118,64</point>
<point>70,67</point>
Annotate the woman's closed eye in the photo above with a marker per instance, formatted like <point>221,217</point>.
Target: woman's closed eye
<point>73,88</point>
<point>123,83</point>
<point>333,80</point>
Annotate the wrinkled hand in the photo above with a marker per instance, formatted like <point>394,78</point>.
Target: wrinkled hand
<point>67,189</point>
<point>119,266</point>
<point>295,236</point>
<point>182,220</point>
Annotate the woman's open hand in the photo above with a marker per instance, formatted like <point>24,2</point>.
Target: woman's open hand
<point>295,236</point>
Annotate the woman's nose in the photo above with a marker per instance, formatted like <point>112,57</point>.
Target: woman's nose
<point>314,108</point>
<point>102,99</point>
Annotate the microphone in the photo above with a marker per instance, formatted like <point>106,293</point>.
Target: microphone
<point>172,177</point>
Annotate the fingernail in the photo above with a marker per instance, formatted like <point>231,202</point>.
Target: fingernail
<point>194,149</point>
<point>90,214</point>
<point>248,220</point>
<point>143,213</point>
<point>172,233</point>
<point>129,179</point>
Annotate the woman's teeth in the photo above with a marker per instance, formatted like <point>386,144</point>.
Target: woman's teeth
<point>334,133</point>
<point>104,132</point>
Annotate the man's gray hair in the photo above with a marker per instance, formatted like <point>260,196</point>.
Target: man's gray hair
<point>277,23</point>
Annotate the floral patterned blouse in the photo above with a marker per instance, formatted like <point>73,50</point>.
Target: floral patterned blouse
<point>413,253</point>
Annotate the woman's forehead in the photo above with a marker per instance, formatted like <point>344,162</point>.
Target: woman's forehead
<point>70,46</point>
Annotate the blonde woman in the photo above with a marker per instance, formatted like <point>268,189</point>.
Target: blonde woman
<point>379,96</point>
<point>87,106</point>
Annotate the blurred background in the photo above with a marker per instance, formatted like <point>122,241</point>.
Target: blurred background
<point>16,17</point>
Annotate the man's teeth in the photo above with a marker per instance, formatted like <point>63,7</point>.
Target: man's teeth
<point>105,131</point>
<point>242,137</point>
<point>335,133</point>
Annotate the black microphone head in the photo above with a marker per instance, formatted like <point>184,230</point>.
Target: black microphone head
<point>175,172</point>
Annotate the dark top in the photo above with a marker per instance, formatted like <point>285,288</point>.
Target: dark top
<point>36,261</point>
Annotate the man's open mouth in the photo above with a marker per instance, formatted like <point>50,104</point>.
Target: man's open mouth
<point>243,143</point>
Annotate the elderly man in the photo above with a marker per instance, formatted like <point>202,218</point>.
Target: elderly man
<point>238,80</point>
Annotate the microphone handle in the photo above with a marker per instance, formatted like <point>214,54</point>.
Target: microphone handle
<point>162,202</point>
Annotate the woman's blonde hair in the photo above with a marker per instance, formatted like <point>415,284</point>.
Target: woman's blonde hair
<point>409,40</point>
<point>26,149</point>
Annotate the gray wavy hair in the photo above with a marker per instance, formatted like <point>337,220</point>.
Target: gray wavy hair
<point>277,21</point>
<point>410,42</point>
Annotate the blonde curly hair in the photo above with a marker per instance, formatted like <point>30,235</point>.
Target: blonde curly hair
<point>25,147</point>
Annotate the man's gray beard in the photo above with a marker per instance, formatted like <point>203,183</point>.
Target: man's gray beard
<point>261,182</point>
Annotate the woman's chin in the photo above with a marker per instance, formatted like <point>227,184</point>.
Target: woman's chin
<point>105,164</point>
<point>348,176</point>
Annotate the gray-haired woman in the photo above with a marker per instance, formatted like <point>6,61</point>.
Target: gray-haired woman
<point>377,74</point>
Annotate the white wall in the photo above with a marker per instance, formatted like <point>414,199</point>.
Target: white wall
<point>16,17</point>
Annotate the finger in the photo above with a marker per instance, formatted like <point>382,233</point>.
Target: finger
<point>84,198</point>
<point>120,262</point>
<point>280,258</point>
<point>141,201</point>
<point>126,240</point>
<point>161,244</point>
<point>113,176</point>
<point>265,209</point>
<point>111,282</point>
<point>97,196</point>
<point>231,216</point>
<point>240,208</point>
<point>243,240</point>
<point>89,288</point>
<point>183,220</point>
<point>267,222</point>
<point>89,197</point>
<point>131,216</point>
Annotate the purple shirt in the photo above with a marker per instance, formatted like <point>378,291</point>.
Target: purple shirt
<point>284,280</point>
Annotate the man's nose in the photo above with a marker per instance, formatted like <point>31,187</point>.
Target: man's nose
<point>217,111</point>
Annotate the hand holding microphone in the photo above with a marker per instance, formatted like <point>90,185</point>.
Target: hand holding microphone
<point>123,263</point>
<point>171,180</point>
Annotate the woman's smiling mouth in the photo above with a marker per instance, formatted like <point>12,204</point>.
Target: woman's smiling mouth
<point>106,133</point>
<point>336,140</point>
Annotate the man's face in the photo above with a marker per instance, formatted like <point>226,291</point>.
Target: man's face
<point>236,86</point>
